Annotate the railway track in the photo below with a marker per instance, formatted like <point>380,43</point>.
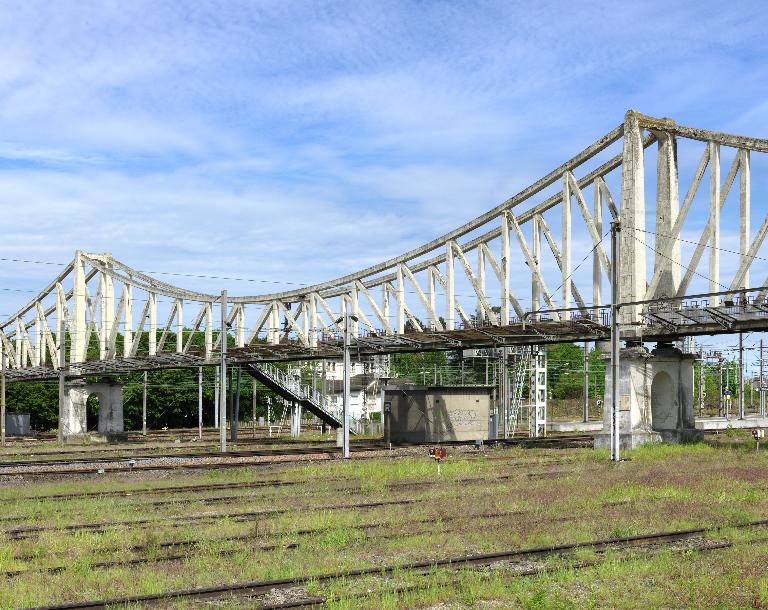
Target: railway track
<point>367,528</point>
<point>132,464</point>
<point>393,486</point>
<point>23,532</point>
<point>96,455</point>
<point>249,590</point>
<point>176,489</point>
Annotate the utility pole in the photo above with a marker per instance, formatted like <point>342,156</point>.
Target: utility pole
<point>615,341</point>
<point>701,384</point>
<point>586,382</point>
<point>721,399</point>
<point>216,373</point>
<point>345,402</point>
<point>762,383</point>
<point>2,396</point>
<point>236,416</point>
<point>253,406</point>
<point>741,376</point>
<point>223,376</point>
<point>62,379</point>
<point>200,403</point>
<point>144,406</point>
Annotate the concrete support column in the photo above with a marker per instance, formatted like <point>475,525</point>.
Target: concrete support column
<point>655,398</point>
<point>667,209</point>
<point>565,267</point>
<point>632,283</point>
<point>714,221</point>
<point>77,311</point>
<point>73,417</point>
<point>505,311</point>
<point>450,296</point>
<point>127,320</point>
<point>74,421</point>
<point>295,420</point>
<point>744,210</point>
<point>536,254</point>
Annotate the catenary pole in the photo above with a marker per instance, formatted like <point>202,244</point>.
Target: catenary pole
<point>585,414</point>
<point>615,341</point>
<point>345,401</point>
<point>62,378</point>
<point>223,376</point>
<point>741,376</point>
<point>2,397</point>
<point>144,406</point>
<point>200,402</point>
<point>762,383</point>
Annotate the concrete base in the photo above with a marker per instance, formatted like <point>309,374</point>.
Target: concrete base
<point>655,397</point>
<point>90,438</point>
<point>628,441</point>
<point>721,423</point>
<point>574,426</point>
<point>684,435</point>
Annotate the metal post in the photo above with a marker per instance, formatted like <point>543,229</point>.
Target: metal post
<point>223,376</point>
<point>253,406</point>
<point>2,397</point>
<point>236,417</point>
<point>761,386</point>
<point>200,402</point>
<point>144,406</point>
<point>701,385</point>
<point>230,398</point>
<point>741,376</point>
<point>721,399</point>
<point>615,340</point>
<point>62,379</point>
<point>216,373</point>
<point>585,389</point>
<point>345,402</point>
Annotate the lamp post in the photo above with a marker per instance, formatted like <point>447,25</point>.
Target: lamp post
<point>346,318</point>
<point>615,341</point>
<point>223,376</point>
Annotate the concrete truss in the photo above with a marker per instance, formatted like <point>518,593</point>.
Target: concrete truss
<point>459,290</point>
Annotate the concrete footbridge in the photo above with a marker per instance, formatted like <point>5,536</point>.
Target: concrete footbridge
<point>487,283</point>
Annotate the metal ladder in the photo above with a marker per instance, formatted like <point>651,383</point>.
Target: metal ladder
<point>521,368</point>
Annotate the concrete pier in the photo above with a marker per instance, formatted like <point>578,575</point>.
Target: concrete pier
<point>74,420</point>
<point>656,398</point>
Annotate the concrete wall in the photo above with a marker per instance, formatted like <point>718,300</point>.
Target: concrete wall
<point>433,414</point>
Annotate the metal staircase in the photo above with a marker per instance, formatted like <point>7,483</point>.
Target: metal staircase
<point>290,388</point>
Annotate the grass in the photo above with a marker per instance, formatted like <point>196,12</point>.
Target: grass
<point>659,488</point>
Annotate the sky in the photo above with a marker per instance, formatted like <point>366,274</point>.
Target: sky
<point>291,142</point>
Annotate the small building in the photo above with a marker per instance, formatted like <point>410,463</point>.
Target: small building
<point>434,414</point>
<point>17,424</point>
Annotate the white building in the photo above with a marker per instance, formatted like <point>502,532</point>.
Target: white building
<point>366,383</point>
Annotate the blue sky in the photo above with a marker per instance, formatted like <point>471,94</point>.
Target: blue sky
<point>297,141</point>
